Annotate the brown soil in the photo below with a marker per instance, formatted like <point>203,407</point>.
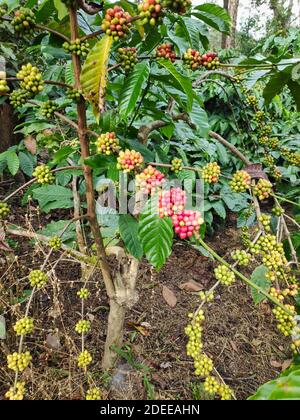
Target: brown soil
<point>241,338</point>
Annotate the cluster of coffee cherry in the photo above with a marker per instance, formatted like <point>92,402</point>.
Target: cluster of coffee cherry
<point>43,175</point>
<point>171,202</point>
<point>149,180</point>
<point>4,88</point>
<point>24,21</point>
<point>177,165</point>
<point>265,130</point>
<point>150,11</point>
<point>37,278</point>
<point>3,10</point>
<point>48,109</point>
<point>116,23</point>
<point>31,79</point>
<point>192,59</point>
<point>129,160</point>
<point>24,326</point>
<point>187,223</point>
<point>55,243</point>
<point>77,46</point>
<point>84,359</point>
<point>224,275</point>
<point>263,189</point>
<point>241,257</point>
<point>277,211</point>
<point>93,394</point>
<point>291,157</point>
<point>259,116</point>
<point>83,326</point>
<point>16,393</point>
<point>108,143</point>
<point>166,51</point>
<point>241,182</point>
<point>74,94</point>
<point>18,362</point>
<point>177,6</point>
<point>252,100</point>
<point>4,210</point>
<point>265,220</point>
<point>210,60</point>
<point>211,173</point>
<point>202,363</point>
<point>127,57</point>
<point>19,97</point>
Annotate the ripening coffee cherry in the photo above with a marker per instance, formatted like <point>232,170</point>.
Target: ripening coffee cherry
<point>166,51</point>
<point>24,326</point>
<point>48,109</point>
<point>171,202</point>
<point>108,144</point>
<point>150,12</point>
<point>130,160</point>
<point>241,257</point>
<point>277,211</point>
<point>265,220</point>
<point>150,180</point>
<point>186,223</point>
<point>24,21</point>
<point>265,131</point>
<point>211,173</point>
<point>262,189</point>
<point>127,57</point>
<point>252,100</point>
<point>83,326</point>
<point>241,182</point>
<point>178,6</point>
<point>203,365</point>
<point>116,23</point>
<point>210,61</point>
<point>192,59</point>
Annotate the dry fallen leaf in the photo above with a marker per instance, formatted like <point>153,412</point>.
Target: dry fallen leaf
<point>30,144</point>
<point>233,345</point>
<point>275,364</point>
<point>53,341</point>
<point>286,364</point>
<point>169,296</point>
<point>140,328</point>
<point>191,286</point>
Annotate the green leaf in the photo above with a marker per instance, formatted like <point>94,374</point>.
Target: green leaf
<point>56,229</point>
<point>62,154</point>
<point>53,197</point>
<point>219,209</point>
<point>94,74</point>
<point>13,162</point>
<point>199,117</point>
<point>129,229</point>
<point>156,235</point>
<point>294,87</point>
<point>275,86</point>
<point>69,73</point>
<point>132,88</point>
<point>62,10</point>
<point>183,81</point>
<point>259,278</point>
<point>26,164</point>
<point>282,388</point>
<point>214,16</point>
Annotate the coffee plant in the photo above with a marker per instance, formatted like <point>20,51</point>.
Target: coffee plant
<point>135,96</point>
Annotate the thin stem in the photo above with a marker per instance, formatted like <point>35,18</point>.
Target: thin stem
<point>52,31</point>
<point>280,198</point>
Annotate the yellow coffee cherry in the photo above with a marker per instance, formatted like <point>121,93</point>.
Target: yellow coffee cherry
<point>24,21</point>
<point>18,362</point>
<point>225,392</point>
<point>242,257</point>
<point>211,173</point>
<point>206,296</point>
<point>241,182</point>
<point>55,243</point>
<point>83,293</point>
<point>176,165</point>
<point>31,79</point>
<point>262,189</point>
<point>93,394</point>
<point>129,160</point>
<point>4,88</point>
<point>24,326</point>
<point>84,359</point>
<point>203,365</point>
<point>83,326</point>
<point>224,275</point>
<point>265,220</point>
<point>38,279</point>
<point>4,210</point>
<point>43,175</point>
<point>16,393</point>
<point>211,385</point>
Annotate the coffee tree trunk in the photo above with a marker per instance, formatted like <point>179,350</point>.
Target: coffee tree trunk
<point>8,122</point>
